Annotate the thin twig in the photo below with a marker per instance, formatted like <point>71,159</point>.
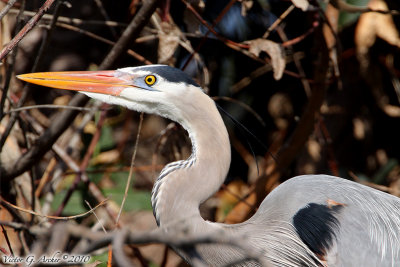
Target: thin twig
<point>95,215</point>
<point>46,176</point>
<point>278,21</point>
<point>240,85</point>
<point>104,40</point>
<point>105,15</point>
<point>49,106</point>
<point>14,225</point>
<point>301,37</point>
<point>3,201</point>
<point>239,198</point>
<point>128,182</point>
<point>297,62</point>
<point>243,105</point>
<point>7,239</point>
<point>74,21</point>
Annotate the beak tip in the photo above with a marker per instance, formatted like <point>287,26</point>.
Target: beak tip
<point>21,77</point>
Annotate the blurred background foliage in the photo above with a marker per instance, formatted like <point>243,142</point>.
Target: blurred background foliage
<point>262,74</point>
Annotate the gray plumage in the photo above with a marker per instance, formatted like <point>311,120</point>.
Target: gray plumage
<point>310,220</point>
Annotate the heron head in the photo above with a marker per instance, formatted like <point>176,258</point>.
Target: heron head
<point>157,89</point>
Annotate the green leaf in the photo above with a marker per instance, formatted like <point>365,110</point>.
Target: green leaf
<point>74,206</point>
<point>346,18</point>
<point>136,200</point>
<point>103,258</point>
<point>106,141</point>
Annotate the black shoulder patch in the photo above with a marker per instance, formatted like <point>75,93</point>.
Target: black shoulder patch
<point>171,74</point>
<point>316,225</point>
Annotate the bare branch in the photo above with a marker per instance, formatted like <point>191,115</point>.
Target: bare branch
<point>73,21</point>
<point>5,10</point>
<point>65,118</point>
<point>27,28</point>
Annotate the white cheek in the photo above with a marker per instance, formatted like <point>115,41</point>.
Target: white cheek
<point>113,100</point>
<point>144,101</point>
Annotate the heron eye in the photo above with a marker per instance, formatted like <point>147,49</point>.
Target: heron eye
<point>150,80</point>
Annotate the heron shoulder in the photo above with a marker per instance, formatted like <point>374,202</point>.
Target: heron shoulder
<point>337,205</point>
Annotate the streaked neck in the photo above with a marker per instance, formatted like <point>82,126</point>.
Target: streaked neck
<point>183,185</point>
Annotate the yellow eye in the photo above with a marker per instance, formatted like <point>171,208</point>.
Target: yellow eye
<point>150,80</point>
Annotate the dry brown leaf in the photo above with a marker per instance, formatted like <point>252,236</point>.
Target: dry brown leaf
<point>302,4</point>
<point>106,157</point>
<point>62,100</point>
<point>90,128</point>
<point>274,50</point>
<point>280,108</point>
<point>314,149</point>
<point>246,6</point>
<point>359,128</point>
<point>239,213</point>
<point>372,25</point>
<point>168,42</point>
<point>229,197</point>
<point>392,111</point>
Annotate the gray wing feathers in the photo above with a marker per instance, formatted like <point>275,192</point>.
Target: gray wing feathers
<point>369,230</point>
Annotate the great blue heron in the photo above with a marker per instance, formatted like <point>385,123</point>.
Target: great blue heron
<point>309,220</point>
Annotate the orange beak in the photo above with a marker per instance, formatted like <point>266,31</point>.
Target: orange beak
<point>103,82</point>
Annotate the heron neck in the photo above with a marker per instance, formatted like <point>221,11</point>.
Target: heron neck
<point>182,186</point>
